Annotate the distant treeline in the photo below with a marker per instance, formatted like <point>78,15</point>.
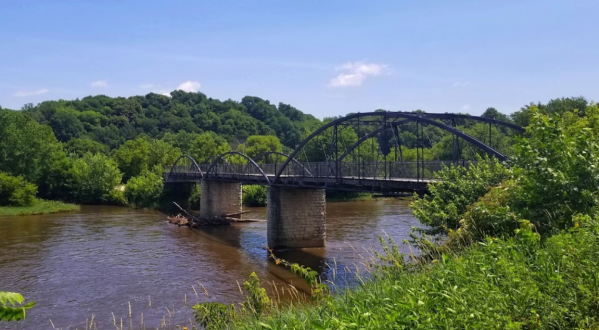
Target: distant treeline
<point>82,150</point>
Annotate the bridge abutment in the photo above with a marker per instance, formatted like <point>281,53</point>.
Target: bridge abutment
<point>296,217</point>
<point>220,198</point>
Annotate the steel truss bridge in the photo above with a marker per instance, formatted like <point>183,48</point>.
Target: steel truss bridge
<point>348,167</point>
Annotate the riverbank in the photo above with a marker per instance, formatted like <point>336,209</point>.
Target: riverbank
<point>518,283</point>
<point>39,207</point>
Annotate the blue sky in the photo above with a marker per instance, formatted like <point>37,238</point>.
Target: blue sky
<point>323,57</point>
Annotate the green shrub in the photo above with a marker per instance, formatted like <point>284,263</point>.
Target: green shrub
<point>557,169</point>
<point>254,195</point>
<point>93,179</point>
<point>457,188</point>
<point>16,191</point>
<point>145,190</point>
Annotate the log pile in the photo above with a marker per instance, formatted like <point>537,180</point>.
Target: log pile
<point>178,220</point>
<point>191,220</point>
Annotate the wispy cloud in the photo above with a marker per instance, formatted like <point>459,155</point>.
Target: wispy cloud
<point>354,73</point>
<point>30,93</point>
<point>189,86</point>
<point>466,107</point>
<point>461,83</point>
<point>99,84</point>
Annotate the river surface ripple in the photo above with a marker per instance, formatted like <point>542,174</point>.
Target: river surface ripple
<point>104,260</point>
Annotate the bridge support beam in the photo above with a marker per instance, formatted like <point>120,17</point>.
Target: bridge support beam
<point>219,198</point>
<point>296,217</point>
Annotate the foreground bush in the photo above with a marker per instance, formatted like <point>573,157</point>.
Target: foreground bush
<point>517,283</point>
<point>12,307</point>
<point>16,191</point>
<point>553,177</point>
<point>458,187</point>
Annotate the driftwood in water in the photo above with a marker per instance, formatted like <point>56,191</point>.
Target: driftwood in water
<point>244,220</point>
<point>178,220</point>
<point>197,222</point>
<point>236,214</point>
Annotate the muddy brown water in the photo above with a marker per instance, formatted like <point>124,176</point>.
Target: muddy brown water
<point>103,261</point>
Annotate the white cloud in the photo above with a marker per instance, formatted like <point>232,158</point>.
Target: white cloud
<point>146,86</point>
<point>30,93</point>
<point>99,83</point>
<point>466,107</point>
<point>354,73</point>
<point>190,86</point>
<point>461,84</point>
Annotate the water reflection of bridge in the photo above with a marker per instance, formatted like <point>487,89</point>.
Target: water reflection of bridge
<point>296,203</point>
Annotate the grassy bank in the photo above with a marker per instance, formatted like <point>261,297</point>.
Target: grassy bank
<point>40,206</point>
<point>517,283</point>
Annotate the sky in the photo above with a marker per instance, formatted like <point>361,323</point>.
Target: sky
<point>326,58</point>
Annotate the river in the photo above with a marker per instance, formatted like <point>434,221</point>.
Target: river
<point>117,264</point>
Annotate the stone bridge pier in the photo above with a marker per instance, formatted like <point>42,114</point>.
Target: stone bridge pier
<point>296,217</point>
<point>220,198</point>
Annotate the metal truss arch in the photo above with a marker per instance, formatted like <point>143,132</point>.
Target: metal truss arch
<point>236,169</point>
<point>191,168</point>
<point>424,118</point>
<point>294,160</point>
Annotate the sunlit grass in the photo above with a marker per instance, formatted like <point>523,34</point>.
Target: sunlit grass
<point>39,207</point>
<point>518,283</point>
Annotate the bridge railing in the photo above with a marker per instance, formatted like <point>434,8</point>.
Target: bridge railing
<point>365,170</point>
<point>321,171</point>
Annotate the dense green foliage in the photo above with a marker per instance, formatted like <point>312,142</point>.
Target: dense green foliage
<point>553,177</point>
<point>94,179</point>
<point>145,190</point>
<point>49,143</point>
<point>517,283</point>
<point>459,187</point>
<point>112,121</point>
<point>254,195</point>
<point>16,191</point>
<point>81,150</point>
<point>137,156</point>
<point>12,307</point>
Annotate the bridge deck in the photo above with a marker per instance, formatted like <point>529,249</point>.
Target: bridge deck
<point>349,183</point>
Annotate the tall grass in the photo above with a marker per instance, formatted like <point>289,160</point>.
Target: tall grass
<point>516,283</point>
<point>40,206</point>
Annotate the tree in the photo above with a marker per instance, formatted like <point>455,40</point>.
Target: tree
<point>139,155</point>
<point>25,145</point>
<point>257,144</point>
<point>94,178</point>
<point>494,114</point>
<point>81,146</point>
<point>207,146</point>
<point>145,190</point>
<point>16,191</point>
<point>133,157</point>
<point>66,125</point>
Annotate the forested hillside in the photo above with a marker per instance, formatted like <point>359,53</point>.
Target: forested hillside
<point>81,150</point>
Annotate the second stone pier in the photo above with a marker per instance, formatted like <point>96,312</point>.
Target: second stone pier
<point>296,217</point>
<point>220,198</point>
